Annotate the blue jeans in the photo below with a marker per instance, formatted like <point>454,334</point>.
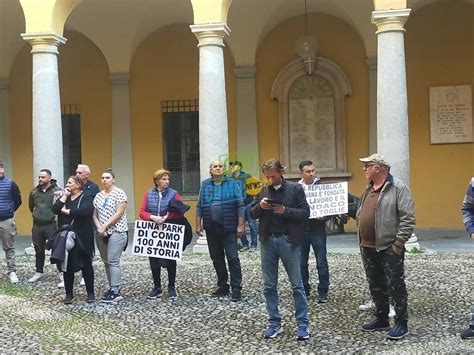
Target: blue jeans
<point>272,249</point>
<point>253,229</point>
<point>317,240</point>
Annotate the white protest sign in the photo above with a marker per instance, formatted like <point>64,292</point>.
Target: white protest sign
<point>326,199</point>
<point>158,241</point>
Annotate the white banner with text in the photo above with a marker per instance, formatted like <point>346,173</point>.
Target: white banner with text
<point>326,199</point>
<point>158,241</point>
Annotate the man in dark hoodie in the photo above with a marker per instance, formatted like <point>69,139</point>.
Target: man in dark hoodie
<point>40,202</point>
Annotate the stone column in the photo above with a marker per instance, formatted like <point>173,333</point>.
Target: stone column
<point>247,132</point>
<point>47,128</point>
<point>392,110</point>
<point>213,132</point>
<point>5,146</point>
<point>122,158</point>
<point>372,67</point>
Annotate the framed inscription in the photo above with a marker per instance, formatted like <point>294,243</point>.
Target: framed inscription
<point>451,114</point>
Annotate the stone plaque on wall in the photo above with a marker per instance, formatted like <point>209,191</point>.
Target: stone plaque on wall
<point>451,114</point>
<point>312,133</point>
<point>311,123</point>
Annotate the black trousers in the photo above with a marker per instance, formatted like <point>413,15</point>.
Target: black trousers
<point>87,273</point>
<point>156,264</point>
<point>224,244</point>
<point>386,276</point>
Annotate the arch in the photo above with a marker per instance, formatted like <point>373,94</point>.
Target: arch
<point>342,88</point>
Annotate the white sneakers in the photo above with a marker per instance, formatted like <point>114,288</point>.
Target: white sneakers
<point>13,277</point>
<point>36,277</point>
<point>391,313</point>
<point>369,305</point>
<point>61,283</point>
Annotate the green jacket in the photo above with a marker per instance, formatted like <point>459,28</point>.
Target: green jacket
<point>40,203</point>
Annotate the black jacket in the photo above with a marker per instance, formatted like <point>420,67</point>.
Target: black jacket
<point>83,227</point>
<point>296,211</point>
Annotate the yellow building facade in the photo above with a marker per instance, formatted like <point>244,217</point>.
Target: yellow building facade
<point>130,70</point>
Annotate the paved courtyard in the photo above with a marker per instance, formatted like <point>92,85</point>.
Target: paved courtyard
<point>33,318</point>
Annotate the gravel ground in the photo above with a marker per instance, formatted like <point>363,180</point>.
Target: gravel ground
<point>33,318</point>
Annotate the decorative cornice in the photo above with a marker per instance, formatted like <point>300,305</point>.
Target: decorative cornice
<point>390,20</point>
<point>119,78</point>
<point>44,42</point>
<point>212,34</point>
<point>245,72</point>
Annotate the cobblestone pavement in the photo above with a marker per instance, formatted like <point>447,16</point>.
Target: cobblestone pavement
<point>33,318</point>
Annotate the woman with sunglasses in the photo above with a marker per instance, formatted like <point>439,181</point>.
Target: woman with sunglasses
<point>76,209</point>
<point>110,219</point>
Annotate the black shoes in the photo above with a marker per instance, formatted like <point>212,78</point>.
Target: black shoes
<point>90,298</point>
<point>468,333</point>
<point>323,297</point>
<point>376,324</point>
<point>236,296</point>
<point>398,331</point>
<point>172,295</point>
<point>155,293</point>
<point>220,292</point>
<point>68,299</point>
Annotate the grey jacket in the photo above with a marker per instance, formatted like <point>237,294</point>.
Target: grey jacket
<point>394,214</point>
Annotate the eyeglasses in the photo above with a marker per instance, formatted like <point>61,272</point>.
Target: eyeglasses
<point>106,200</point>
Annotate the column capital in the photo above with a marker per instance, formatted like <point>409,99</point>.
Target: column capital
<point>245,72</point>
<point>119,78</point>
<point>4,84</point>
<point>390,20</point>
<point>44,42</point>
<point>212,34</point>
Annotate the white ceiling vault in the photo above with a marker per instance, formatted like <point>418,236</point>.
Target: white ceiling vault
<point>117,27</point>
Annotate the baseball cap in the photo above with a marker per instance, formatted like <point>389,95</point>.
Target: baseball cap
<point>376,158</point>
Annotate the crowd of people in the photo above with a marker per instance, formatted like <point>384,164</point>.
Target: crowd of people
<point>71,221</point>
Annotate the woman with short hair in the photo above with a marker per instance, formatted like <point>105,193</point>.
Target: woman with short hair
<point>155,207</point>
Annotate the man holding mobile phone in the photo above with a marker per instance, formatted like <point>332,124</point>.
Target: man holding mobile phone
<point>282,210</point>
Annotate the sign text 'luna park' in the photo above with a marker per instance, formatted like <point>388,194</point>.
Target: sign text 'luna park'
<point>158,241</point>
<point>326,199</point>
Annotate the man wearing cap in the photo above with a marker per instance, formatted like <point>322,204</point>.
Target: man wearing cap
<point>10,200</point>
<point>40,203</point>
<point>241,177</point>
<point>386,221</point>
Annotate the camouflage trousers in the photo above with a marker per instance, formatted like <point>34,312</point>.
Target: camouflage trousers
<point>386,277</point>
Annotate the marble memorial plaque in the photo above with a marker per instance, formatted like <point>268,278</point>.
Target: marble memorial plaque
<point>312,133</point>
<point>451,114</point>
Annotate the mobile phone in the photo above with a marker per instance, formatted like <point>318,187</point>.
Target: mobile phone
<point>274,201</point>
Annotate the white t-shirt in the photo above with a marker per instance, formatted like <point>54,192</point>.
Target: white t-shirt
<point>106,207</point>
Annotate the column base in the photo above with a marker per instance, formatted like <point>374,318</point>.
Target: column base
<point>201,246</point>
